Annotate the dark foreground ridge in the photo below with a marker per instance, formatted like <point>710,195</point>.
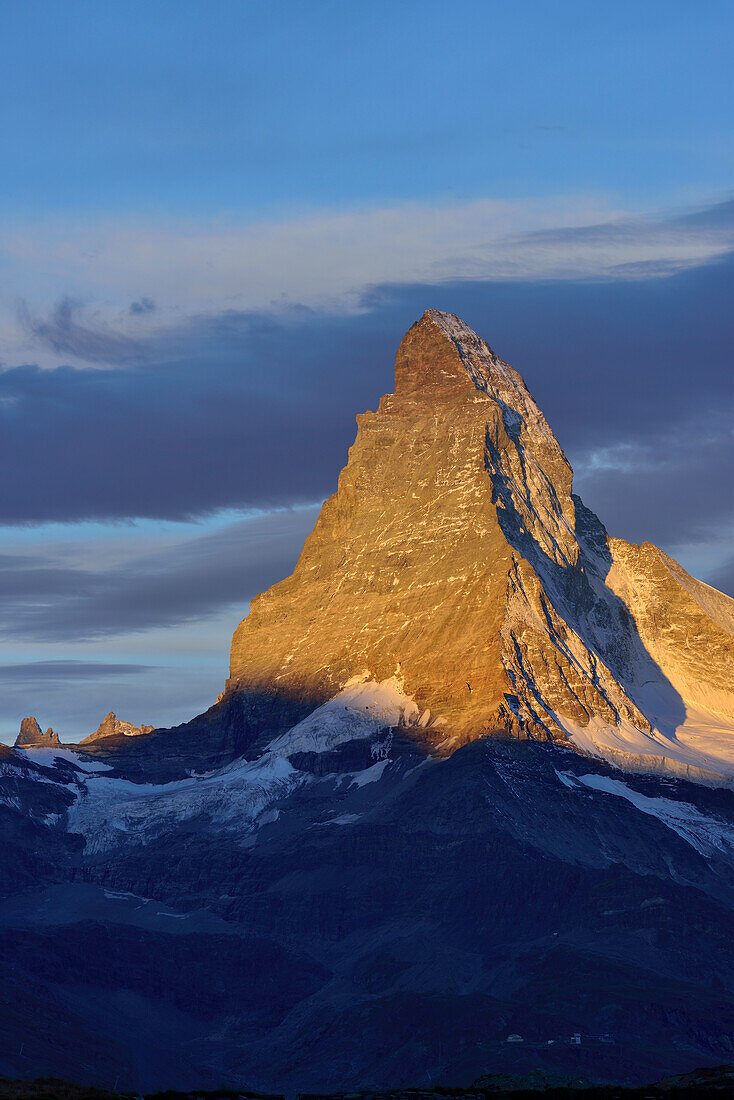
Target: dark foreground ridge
<point>715,1082</point>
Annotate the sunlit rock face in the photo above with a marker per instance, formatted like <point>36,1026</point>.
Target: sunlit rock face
<point>455,555</point>
<point>31,734</point>
<point>111,726</point>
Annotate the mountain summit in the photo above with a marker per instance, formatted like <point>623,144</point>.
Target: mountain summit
<point>455,557</point>
<point>401,840</point>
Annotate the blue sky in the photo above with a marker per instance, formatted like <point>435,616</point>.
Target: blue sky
<point>251,107</point>
<point>216,221</point>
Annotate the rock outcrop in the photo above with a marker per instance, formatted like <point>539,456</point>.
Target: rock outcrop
<point>111,726</point>
<point>455,555</point>
<point>31,735</point>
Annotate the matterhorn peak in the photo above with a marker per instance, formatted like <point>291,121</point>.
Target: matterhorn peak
<point>455,548</point>
<point>438,353</point>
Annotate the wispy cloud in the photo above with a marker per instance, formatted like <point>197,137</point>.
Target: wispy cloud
<point>142,305</point>
<point>62,333</point>
<point>255,409</point>
<point>322,260</point>
<point>61,671</point>
<point>50,593</point>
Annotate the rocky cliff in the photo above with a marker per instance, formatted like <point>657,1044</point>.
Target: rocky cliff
<point>31,734</point>
<point>455,556</point>
<point>455,564</point>
<point>112,726</point>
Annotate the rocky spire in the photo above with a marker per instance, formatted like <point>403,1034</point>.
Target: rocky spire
<point>111,726</point>
<point>455,553</point>
<point>31,734</point>
<point>454,480</point>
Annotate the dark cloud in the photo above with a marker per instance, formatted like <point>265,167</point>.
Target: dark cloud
<point>718,216</point>
<point>257,410</point>
<point>234,412</point>
<point>65,335</point>
<point>75,705</point>
<point>670,488</point>
<point>45,601</point>
<point>142,305</point>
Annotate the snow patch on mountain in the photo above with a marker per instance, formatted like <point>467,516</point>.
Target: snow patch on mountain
<point>110,811</point>
<point>701,748</point>
<point>341,819</point>
<point>369,775</point>
<point>706,834</point>
<point>362,709</point>
<point>47,756</point>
